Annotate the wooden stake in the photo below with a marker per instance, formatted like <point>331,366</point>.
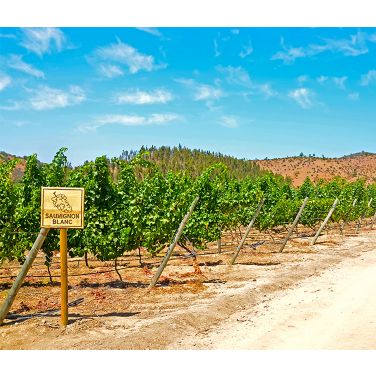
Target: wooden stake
<point>373,220</point>
<point>360,220</point>
<point>248,229</point>
<point>342,227</point>
<point>64,276</point>
<point>173,244</point>
<point>219,246</point>
<point>325,221</point>
<point>22,274</point>
<point>296,220</point>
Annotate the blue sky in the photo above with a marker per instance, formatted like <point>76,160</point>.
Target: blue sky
<point>247,92</point>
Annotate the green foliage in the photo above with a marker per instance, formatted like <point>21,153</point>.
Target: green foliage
<point>134,202</point>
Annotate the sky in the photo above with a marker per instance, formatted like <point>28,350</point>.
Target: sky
<point>247,92</point>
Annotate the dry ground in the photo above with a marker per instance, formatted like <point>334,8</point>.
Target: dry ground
<point>350,168</point>
<point>189,309</point>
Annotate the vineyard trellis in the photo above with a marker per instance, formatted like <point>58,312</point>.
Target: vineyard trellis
<point>132,205</point>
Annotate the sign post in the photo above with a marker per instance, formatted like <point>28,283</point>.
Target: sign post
<point>63,208</point>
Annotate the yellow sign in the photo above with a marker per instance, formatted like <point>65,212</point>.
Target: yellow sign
<point>62,207</point>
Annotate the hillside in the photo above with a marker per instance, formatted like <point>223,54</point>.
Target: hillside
<point>20,168</point>
<point>194,161</point>
<point>350,167</point>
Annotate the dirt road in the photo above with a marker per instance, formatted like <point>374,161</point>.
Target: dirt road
<point>307,297</point>
<point>336,310</point>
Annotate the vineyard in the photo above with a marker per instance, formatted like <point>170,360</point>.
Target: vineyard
<point>132,212</point>
<point>131,205</point>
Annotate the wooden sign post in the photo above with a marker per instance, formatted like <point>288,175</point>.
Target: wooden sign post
<point>63,208</point>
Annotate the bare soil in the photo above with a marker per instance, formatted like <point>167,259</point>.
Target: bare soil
<point>202,304</point>
<point>298,168</point>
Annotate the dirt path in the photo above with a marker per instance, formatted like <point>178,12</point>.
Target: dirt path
<point>336,310</point>
<point>306,297</point>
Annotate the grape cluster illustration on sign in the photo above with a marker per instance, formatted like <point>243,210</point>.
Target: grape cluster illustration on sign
<point>60,201</point>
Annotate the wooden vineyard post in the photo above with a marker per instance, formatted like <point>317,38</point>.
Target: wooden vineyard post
<point>296,220</point>
<point>22,274</point>
<point>219,245</point>
<point>325,221</point>
<point>171,248</point>
<point>248,229</point>
<point>373,220</point>
<point>359,222</point>
<point>342,227</point>
<point>64,276</point>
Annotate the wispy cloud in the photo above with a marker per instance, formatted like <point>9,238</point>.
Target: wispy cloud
<point>46,98</point>
<point>303,78</point>
<point>43,40</point>
<point>229,121</point>
<point>201,92</point>
<point>302,96</point>
<point>340,82</point>
<point>322,79</point>
<point>110,70</point>
<point>124,55</point>
<point>288,54</point>
<point>240,77</point>
<point>140,97</point>
<point>216,48</point>
<point>12,106</point>
<point>246,50</point>
<point>267,90</point>
<point>353,46</point>
<point>16,62</point>
<point>151,30</point>
<point>5,81</point>
<point>353,96</point>
<point>8,36</point>
<point>128,121</point>
<point>368,78</point>
<point>236,75</point>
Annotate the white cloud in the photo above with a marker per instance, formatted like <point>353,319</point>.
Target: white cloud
<point>340,82</point>
<point>201,92</point>
<point>267,90</point>
<point>353,96</point>
<point>216,48</point>
<point>207,92</point>
<point>46,98</point>
<point>368,78</point>
<point>151,30</point>
<point>246,51</point>
<point>302,96</point>
<point>144,97</point>
<point>302,79</point>
<point>126,55</point>
<point>4,81</point>
<point>16,62</point>
<point>236,75</point>
<point>288,55</point>
<point>128,121</point>
<point>14,106</point>
<point>322,79</point>
<point>8,36</point>
<point>43,40</point>
<point>353,46</point>
<point>229,121</point>
<point>110,70</point>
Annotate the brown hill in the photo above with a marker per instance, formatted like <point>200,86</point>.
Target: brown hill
<point>20,168</point>
<point>352,167</point>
